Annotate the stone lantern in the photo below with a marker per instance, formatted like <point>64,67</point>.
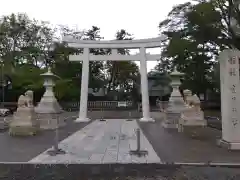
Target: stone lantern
<point>176,103</point>
<point>48,109</point>
<point>176,77</point>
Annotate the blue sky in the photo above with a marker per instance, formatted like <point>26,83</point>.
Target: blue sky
<point>138,17</point>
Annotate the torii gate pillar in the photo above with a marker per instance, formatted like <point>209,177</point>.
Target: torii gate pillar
<point>144,87</point>
<point>84,88</point>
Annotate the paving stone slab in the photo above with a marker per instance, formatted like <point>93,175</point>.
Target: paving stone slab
<point>102,142</point>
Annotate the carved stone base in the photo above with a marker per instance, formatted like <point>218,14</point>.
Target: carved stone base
<point>171,120</point>
<point>23,130</point>
<point>24,122</point>
<point>48,105</point>
<point>228,145</point>
<point>169,125</point>
<point>80,119</point>
<point>51,121</point>
<point>143,119</point>
<point>183,123</point>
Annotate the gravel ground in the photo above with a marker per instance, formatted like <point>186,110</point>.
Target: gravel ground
<point>172,146</point>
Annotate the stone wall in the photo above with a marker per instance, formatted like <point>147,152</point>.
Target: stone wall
<point>118,171</point>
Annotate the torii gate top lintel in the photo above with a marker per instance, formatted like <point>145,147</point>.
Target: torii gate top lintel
<point>130,44</point>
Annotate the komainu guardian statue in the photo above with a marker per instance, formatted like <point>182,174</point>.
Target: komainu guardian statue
<point>192,115</point>
<point>29,98</point>
<point>24,120</point>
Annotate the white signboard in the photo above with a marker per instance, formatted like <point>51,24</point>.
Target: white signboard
<point>122,104</point>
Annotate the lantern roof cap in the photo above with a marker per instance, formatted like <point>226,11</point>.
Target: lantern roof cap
<point>50,74</point>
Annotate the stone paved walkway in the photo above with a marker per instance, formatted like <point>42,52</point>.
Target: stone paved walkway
<point>102,142</point>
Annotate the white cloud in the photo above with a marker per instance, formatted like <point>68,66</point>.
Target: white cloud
<point>139,17</point>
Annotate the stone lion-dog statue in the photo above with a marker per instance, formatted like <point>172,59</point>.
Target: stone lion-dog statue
<point>192,101</point>
<point>26,100</point>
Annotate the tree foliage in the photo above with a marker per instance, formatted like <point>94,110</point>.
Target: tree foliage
<point>197,31</point>
<point>29,46</point>
<point>122,74</point>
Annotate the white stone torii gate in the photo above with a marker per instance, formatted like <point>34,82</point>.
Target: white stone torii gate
<point>141,44</point>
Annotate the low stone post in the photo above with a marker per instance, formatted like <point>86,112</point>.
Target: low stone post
<point>138,152</point>
<point>56,150</point>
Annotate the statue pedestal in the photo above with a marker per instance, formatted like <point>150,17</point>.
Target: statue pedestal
<point>49,112</point>
<point>229,145</point>
<point>24,122</point>
<point>173,112</point>
<point>51,121</point>
<point>191,119</point>
<point>171,119</point>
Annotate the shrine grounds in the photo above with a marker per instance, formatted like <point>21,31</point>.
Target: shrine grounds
<point>178,150</point>
<point>171,146</point>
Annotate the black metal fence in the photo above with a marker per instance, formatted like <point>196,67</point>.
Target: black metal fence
<point>92,105</point>
<point>100,105</point>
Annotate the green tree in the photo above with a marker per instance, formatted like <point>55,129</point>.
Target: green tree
<point>120,73</point>
<point>23,40</point>
<point>97,77</point>
<point>71,71</point>
<point>196,34</point>
<point>26,77</point>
